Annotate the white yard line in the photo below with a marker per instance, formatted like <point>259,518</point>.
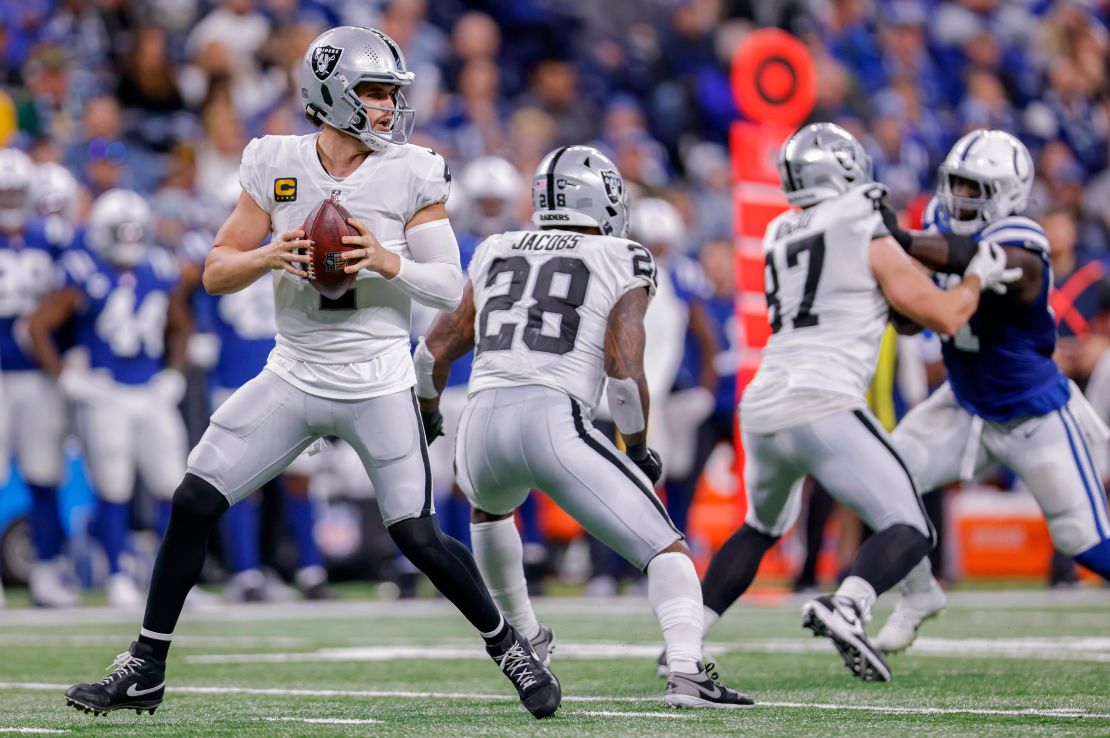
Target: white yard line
<point>1095,649</point>
<point>619,713</point>
<point>323,721</point>
<point>92,640</point>
<point>1058,712</point>
<point>32,730</point>
<point>757,604</point>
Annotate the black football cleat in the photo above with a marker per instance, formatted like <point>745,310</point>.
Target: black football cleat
<point>544,645</point>
<point>137,682</point>
<point>538,688</point>
<point>837,618</point>
<point>703,691</point>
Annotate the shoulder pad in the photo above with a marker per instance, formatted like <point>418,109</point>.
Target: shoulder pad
<point>1017,230</point>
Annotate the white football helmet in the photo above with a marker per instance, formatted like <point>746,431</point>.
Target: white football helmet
<point>16,169</point>
<point>334,65</point>
<point>654,221</point>
<point>1000,165</point>
<point>54,199</point>
<point>490,186</point>
<point>121,227</point>
<point>820,161</point>
<point>580,186</point>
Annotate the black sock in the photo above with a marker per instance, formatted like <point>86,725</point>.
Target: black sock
<point>451,568</point>
<point>886,557</point>
<point>197,505</point>
<point>733,568</point>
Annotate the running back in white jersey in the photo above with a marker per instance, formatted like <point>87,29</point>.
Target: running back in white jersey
<point>367,330</point>
<point>542,302</point>
<point>826,311</point>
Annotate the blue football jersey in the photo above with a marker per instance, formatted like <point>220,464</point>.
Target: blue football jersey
<point>121,319</point>
<point>28,271</point>
<point>1000,363</point>
<point>460,369</point>
<point>245,323</point>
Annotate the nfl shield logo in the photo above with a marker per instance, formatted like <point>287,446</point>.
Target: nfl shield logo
<point>614,187</point>
<point>333,262</point>
<point>324,59</point>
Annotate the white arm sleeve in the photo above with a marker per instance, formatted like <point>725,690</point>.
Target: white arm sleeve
<point>434,276</point>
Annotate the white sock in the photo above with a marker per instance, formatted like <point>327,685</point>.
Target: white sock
<point>675,596</point>
<point>860,592</point>
<point>920,578</point>
<point>499,554</point>
<point>709,617</point>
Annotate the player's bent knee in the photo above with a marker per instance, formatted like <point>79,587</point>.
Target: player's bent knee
<point>481,516</point>
<point>416,537</point>
<point>1072,531</point>
<point>197,502</point>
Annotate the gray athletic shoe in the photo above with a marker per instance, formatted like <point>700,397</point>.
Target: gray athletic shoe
<point>662,670</point>
<point>702,690</point>
<point>544,645</point>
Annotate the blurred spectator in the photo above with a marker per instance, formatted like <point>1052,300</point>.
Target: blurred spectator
<point>555,92</point>
<point>219,154</point>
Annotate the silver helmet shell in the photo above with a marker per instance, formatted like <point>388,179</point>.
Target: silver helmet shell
<point>491,187</point>
<point>121,227</point>
<point>333,67</point>
<point>1002,168</point>
<point>580,186</point>
<point>16,170</point>
<point>820,161</point>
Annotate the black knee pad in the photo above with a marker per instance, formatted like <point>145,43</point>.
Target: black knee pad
<point>197,502</point>
<point>416,537</point>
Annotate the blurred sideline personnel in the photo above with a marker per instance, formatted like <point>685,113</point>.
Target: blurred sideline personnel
<point>340,367</point>
<point>1005,401</point>
<point>833,273</point>
<point>132,322</point>
<point>34,409</point>
<point>553,316</point>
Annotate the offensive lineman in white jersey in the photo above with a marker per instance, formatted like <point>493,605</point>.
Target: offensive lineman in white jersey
<point>832,275</point>
<point>549,314</point>
<point>340,367</point>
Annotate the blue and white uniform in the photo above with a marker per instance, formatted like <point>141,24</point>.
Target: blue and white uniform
<point>33,403</point>
<point>126,401</point>
<point>1006,402</point>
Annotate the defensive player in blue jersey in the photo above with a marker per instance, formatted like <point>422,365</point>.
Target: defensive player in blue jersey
<point>132,322</point>
<point>33,404</point>
<point>1005,400</point>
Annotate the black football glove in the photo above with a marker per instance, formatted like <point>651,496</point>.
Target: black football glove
<point>433,424</point>
<point>890,220</point>
<point>648,460</point>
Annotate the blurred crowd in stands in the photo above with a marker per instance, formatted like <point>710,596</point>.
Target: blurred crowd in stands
<point>161,96</point>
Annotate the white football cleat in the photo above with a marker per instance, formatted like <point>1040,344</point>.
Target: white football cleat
<point>48,585</point>
<point>913,609</point>
<point>123,592</point>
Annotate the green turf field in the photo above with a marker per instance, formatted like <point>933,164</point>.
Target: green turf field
<point>997,664</point>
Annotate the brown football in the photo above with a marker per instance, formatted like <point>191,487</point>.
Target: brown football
<point>326,226</point>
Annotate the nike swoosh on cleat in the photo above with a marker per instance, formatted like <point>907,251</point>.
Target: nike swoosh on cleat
<point>132,692</point>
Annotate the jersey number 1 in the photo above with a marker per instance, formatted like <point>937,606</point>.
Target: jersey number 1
<point>805,318</point>
<point>544,302</point>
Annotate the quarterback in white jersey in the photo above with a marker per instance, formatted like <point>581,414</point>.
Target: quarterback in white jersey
<point>555,317</point>
<point>340,367</point>
<point>832,274</point>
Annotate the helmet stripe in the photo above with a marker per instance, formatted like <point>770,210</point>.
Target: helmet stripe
<point>551,177</point>
<point>970,143</point>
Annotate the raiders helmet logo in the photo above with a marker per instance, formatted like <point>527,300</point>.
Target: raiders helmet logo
<point>614,187</point>
<point>324,59</point>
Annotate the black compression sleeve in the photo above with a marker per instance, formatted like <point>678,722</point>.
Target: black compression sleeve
<point>961,250</point>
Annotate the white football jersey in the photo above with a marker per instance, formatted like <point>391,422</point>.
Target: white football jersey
<point>826,311</point>
<point>542,301</point>
<point>357,346</point>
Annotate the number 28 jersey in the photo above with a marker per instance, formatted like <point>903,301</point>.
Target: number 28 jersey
<point>826,311</point>
<point>542,301</point>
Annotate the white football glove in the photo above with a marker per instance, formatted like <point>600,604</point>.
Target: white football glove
<point>80,384</point>
<point>168,386</point>
<point>989,265</point>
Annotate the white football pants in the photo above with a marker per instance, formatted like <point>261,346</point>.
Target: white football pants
<point>35,415</point>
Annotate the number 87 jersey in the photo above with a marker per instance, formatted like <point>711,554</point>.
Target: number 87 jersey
<point>542,302</point>
<point>826,311</point>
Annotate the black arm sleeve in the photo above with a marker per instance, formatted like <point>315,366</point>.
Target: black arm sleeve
<point>890,220</point>
<point>961,250</point>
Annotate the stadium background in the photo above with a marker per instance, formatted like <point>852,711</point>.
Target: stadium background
<point>162,96</point>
